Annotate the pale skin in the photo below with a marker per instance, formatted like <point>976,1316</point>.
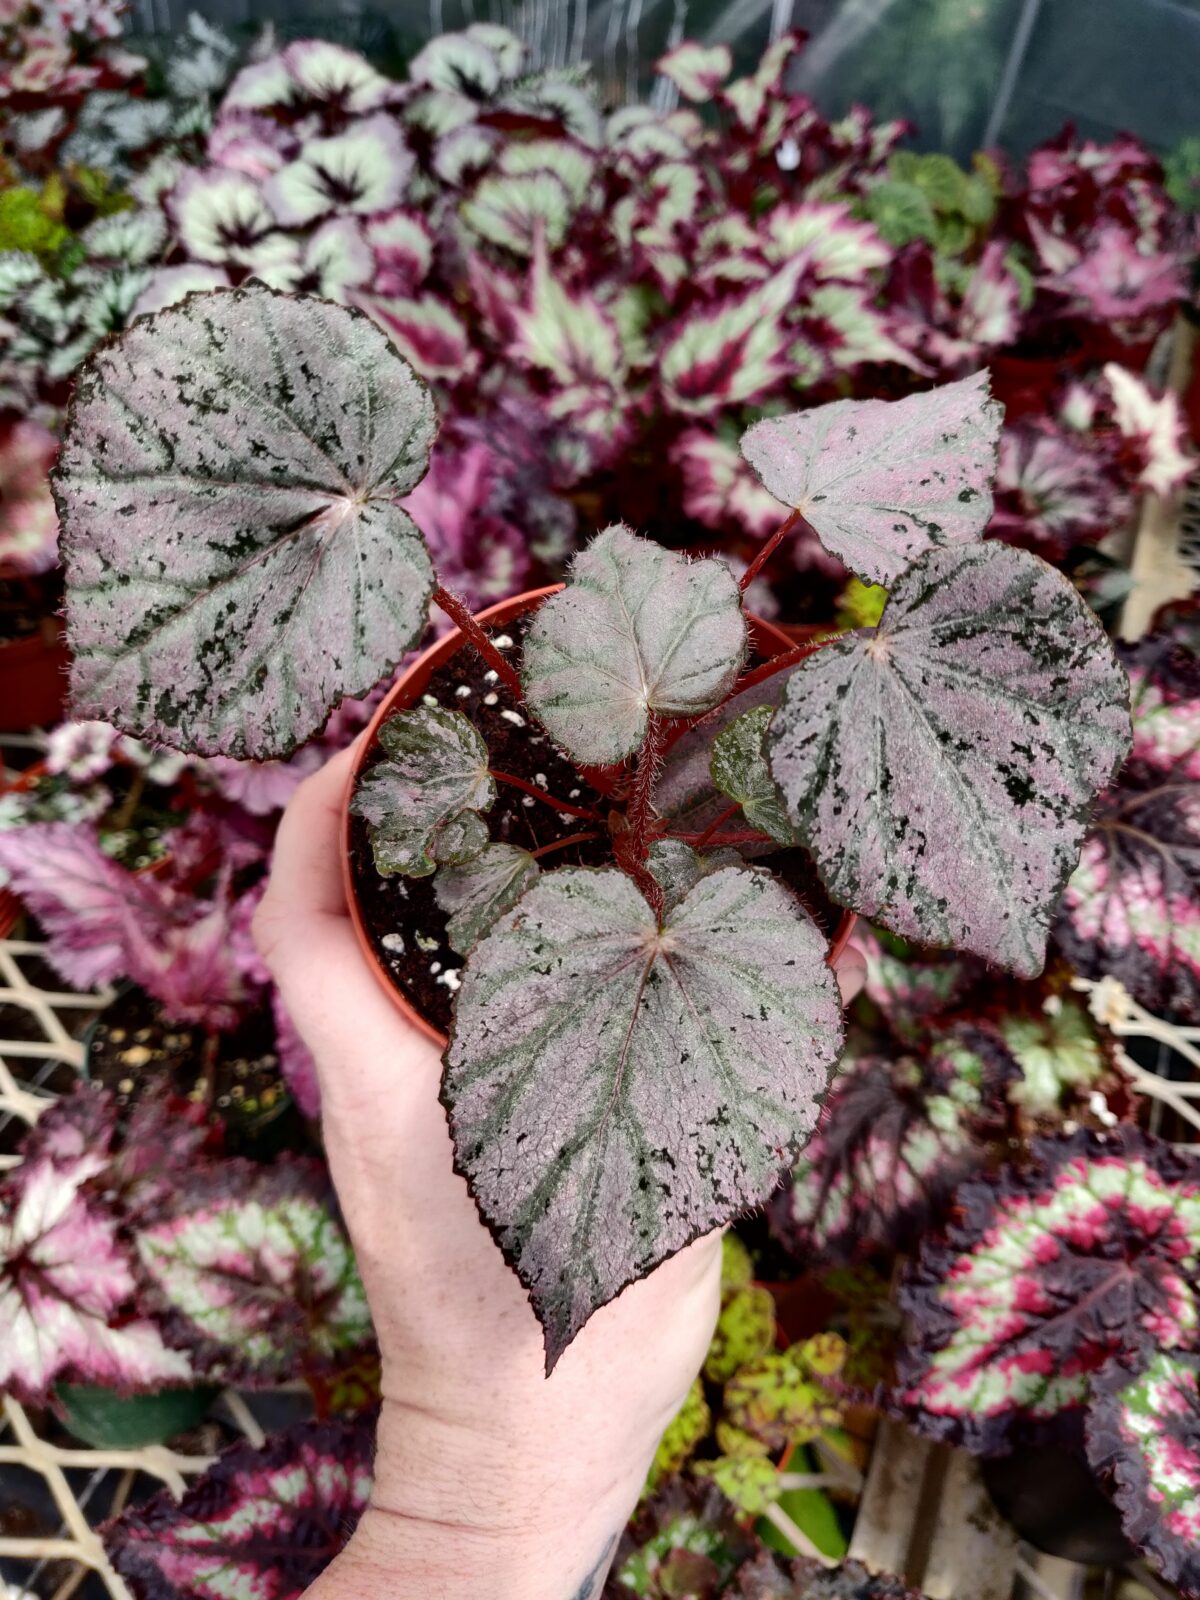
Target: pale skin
<point>490,1477</point>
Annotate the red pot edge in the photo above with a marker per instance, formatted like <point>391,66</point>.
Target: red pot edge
<point>769,640</point>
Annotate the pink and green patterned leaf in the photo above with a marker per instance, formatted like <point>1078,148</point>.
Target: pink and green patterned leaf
<point>684,1544</point>
<point>565,332</point>
<point>220,216</point>
<point>883,481</point>
<point>474,894</point>
<point>911,986</point>
<point>942,768</point>
<point>697,70</point>
<point>515,212</point>
<point>426,331</point>
<point>1164,671</point>
<point>617,1088</point>
<point>458,64</point>
<point>423,798</point>
<point>248,1269</point>
<point>834,243</point>
<point>261,1524</point>
<point>1155,426</point>
<point>739,770</point>
<point>1088,1253</point>
<point>637,631</point>
<point>363,170</point>
<point>719,488</point>
<point>68,1293</point>
<point>1143,1433</point>
<point>731,352</point>
<point>235,556</point>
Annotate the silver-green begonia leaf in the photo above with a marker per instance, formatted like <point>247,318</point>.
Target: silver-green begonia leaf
<point>739,769</point>
<point>474,894</point>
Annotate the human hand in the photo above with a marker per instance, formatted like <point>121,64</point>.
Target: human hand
<point>491,1479</point>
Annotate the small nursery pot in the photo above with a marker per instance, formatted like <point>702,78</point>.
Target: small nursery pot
<point>768,640</point>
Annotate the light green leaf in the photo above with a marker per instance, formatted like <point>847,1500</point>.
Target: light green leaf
<point>739,769</point>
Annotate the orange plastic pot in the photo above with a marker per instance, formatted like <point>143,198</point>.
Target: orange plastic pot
<point>768,640</point>
<point>33,679</point>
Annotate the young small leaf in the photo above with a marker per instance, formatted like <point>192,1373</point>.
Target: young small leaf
<point>739,769</point>
<point>942,769</point>
<point>783,1399</point>
<point>882,481</point>
<point>474,894</point>
<point>1143,1428</point>
<point>676,867</point>
<point>1089,1253</point>
<point>262,1524</point>
<point>422,801</point>
<point>615,1089</point>
<point>236,560</point>
<point>248,1269</point>
<point>637,630</point>
<point>686,1541</point>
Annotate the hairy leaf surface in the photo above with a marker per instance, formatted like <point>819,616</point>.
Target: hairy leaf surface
<point>739,769</point>
<point>637,630</point>
<point>882,481</point>
<point>1089,1253</point>
<point>236,560</point>
<point>941,769</point>
<point>616,1089</point>
<point>1143,1429</point>
<point>475,893</point>
<point>422,801</point>
<point>249,1270</point>
<point>259,1525</point>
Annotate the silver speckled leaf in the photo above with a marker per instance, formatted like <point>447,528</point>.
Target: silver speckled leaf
<point>677,869</point>
<point>941,769</point>
<point>474,894</point>
<point>738,767</point>
<point>882,481</point>
<point>616,1090</point>
<point>236,561</point>
<point>638,629</point>
<point>421,801</point>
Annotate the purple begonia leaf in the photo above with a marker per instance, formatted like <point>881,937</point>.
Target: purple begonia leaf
<point>766,1579</point>
<point>422,800</point>
<point>260,1524</point>
<point>403,247</point>
<point>476,893</point>
<point>739,769</point>
<point>895,1137</point>
<point>718,486</point>
<point>426,331</point>
<point>616,1088</point>
<point>336,76</point>
<point>638,630</point>
<point>248,1269</point>
<point>565,332</point>
<point>68,1292</point>
<point>236,560</point>
<point>730,352</point>
<point>942,767</point>
<point>686,1541</point>
<point>1089,1253</point>
<point>1131,909</point>
<point>913,987</point>
<point>363,170</point>
<point>1164,672</point>
<point>882,481</point>
<point>697,70</point>
<point>1143,1432</point>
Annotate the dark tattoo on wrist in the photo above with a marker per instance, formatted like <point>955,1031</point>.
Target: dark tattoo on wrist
<point>594,1582</point>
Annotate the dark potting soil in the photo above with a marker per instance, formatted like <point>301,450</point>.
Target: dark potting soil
<point>407,928</point>
<point>406,925</point>
<point>133,1049</point>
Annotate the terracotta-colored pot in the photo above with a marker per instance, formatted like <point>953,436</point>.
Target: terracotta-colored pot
<point>33,679</point>
<point>768,640</point>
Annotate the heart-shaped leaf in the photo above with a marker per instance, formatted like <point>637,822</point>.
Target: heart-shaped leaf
<point>616,1088</point>
<point>422,800</point>
<point>1090,1252</point>
<point>637,630</point>
<point>261,1524</point>
<point>941,769</point>
<point>1143,1428</point>
<point>474,894</point>
<point>236,560</point>
<point>739,769</point>
<point>882,481</point>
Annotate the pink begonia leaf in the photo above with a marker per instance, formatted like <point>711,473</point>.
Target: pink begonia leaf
<point>913,987</point>
<point>67,1286</point>
<point>1087,1253</point>
<point>942,767</point>
<point>362,170</point>
<point>565,333</point>
<point>1164,673</point>
<point>616,1089</point>
<point>990,314</point>
<point>733,351</point>
<point>313,70</point>
<point>335,260</point>
<point>295,1060</point>
<point>833,242</point>
<point>170,285</point>
<point>1116,281</point>
<point>427,332</point>
<point>247,1268</point>
<point>1156,426</point>
<point>1143,1435</point>
<point>458,63</point>
<point>460,508</point>
<point>220,216</point>
<point>283,430</point>
<point>260,1524</point>
<point>403,247</point>
<point>719,488</point>
<point>697,70</point>
<point>882,481</point>
<point>637,631</point>
<point>1052,487</point>
<point>28,520</point>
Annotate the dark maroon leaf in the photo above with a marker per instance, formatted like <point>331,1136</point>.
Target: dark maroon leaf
<point>686,1531</point>
<point>767,1578</point>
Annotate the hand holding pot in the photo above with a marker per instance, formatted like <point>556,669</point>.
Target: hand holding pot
<point>490,1478</point>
